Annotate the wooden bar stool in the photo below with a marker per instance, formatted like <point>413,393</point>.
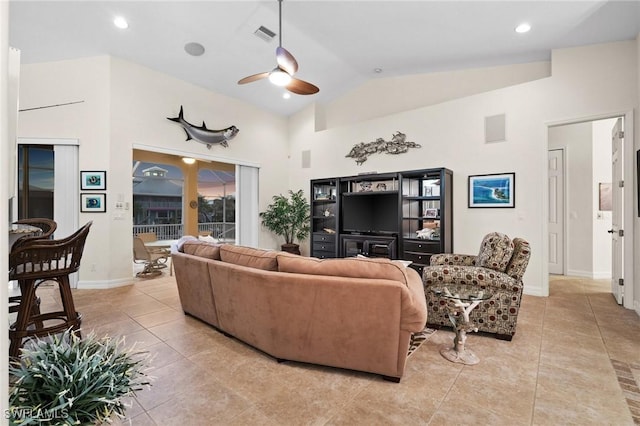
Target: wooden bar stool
<point>47,227</point>
<point>33,263</point>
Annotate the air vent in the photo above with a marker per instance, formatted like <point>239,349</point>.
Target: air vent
<point>264,33</point>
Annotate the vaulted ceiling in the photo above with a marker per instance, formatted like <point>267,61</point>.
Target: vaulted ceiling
<point>338,44</point>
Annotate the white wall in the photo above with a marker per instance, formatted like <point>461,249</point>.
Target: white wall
<point>586,82</point>
<point>126,104</point>
<point>576,139</point>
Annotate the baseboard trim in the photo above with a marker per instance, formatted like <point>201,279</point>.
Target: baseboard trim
<point>537,291</point>
<point>590,274</point>
<point>581,274</point>
<point>602,275</point>
<point>104,284</point>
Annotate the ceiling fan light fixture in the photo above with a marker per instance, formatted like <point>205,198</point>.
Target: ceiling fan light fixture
<point>279,77</point>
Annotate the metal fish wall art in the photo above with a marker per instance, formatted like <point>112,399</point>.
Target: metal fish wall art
<point>397,145</point>
<point>201,134</point>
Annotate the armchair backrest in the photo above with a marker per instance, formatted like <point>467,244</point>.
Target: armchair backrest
<point>500,253</point>
<point>496,251</point>
<point>48,227</point>
<point>520,259</point>
<point>147,237</point>
<point>40,259</point>
<point>140,251</point>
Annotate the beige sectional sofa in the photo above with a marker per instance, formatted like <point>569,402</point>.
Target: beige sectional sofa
<point>352,313</point>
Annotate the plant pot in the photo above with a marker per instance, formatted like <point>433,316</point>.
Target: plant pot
<point>291,248</point>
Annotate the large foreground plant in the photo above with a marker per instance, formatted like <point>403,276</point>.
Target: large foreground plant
<point>288,216</point>
<point>66,380</point>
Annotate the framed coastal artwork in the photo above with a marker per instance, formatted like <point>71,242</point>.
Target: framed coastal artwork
<point>93,203</point>
<point>93,180</point>
<point>493,190</point>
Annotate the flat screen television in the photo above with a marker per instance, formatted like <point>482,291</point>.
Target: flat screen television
<point>373,213</point>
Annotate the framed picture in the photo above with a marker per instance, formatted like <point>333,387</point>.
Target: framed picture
<point>93,180</point>
<point>604,192</point>
<point>493,190</point>
<point>431,188</point>
<point>93,203</point>
<point>431,213</point>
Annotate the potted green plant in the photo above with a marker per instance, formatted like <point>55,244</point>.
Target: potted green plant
<point>67,380</point>
<point>288,217</point>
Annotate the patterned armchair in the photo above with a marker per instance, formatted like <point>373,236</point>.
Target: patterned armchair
<point>498,268</point>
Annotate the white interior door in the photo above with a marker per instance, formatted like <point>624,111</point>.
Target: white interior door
<point>556,211</point>
<point>617,228</point>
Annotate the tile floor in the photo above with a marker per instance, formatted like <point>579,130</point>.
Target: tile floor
<point>575,359</point>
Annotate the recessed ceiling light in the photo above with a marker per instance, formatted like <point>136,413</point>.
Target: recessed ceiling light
<point>188,160</point>
<point>194,49</point>
<point>377,70</point>
<point>286,95</point>
<point>523,28</point>
<point>120,22</point>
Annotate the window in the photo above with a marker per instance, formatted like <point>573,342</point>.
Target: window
<point>35,181</point>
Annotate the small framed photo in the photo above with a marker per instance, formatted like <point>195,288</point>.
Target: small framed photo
<point>605,196</point>
<point>93,203</point>
<point>493,190</point>
<point>92,180</point>
<point>431,213</point>
<point>431,188</point>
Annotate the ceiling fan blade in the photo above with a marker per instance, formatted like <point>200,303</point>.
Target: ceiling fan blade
<point>286,61</point>
<point>253,78</point>
<point>301,87</point>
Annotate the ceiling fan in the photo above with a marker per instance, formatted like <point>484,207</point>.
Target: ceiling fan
<point>287,66</point>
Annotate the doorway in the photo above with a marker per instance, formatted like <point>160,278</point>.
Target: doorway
<point>580,212</point>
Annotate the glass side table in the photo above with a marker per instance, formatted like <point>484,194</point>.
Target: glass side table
<point>461,303</point>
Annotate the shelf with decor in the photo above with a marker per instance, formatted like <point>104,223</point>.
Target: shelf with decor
<point>324,218</point>
<point>427,226</point>
<point>367,184</point>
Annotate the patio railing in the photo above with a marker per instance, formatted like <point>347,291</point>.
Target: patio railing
<point>225,231</point>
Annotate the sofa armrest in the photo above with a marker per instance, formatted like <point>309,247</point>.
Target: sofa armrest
<point>414,307</point>
<point>453,259</point>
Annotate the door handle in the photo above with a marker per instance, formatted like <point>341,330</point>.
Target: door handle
<point>610,231</point>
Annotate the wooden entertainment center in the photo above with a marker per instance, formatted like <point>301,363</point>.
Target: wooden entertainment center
<point>402,215</point>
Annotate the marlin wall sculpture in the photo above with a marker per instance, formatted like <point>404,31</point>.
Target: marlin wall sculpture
<point>397,145</point>
<point>203,135</point>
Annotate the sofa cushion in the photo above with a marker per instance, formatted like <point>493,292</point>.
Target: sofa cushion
<point>352,267</point>
<point>248,256</point>
<point>495,252</point>
<point>202,249</point>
